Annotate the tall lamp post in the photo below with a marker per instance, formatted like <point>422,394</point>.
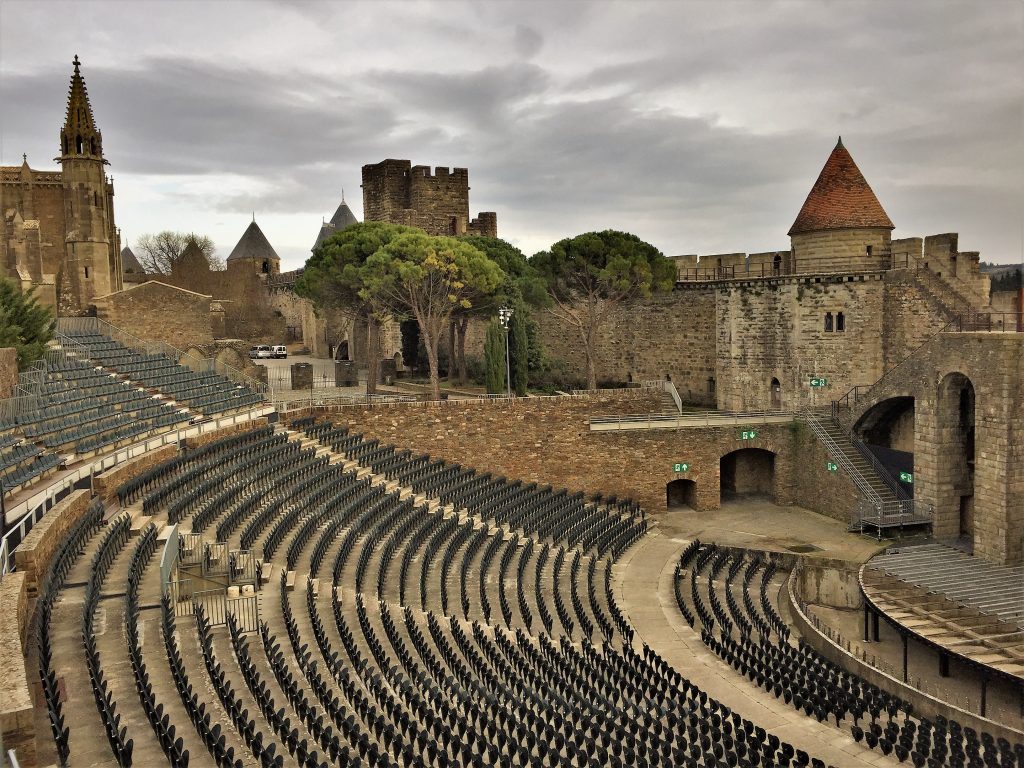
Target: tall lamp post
<point>504,315</point>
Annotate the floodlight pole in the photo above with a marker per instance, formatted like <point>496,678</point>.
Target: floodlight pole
<point>504,315</point>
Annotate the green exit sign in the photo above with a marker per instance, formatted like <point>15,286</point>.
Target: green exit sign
<point>907,477</point>
<point>681,467</point>
<point>748,434</point>
<point>832,466</point>
<point>819,381</point>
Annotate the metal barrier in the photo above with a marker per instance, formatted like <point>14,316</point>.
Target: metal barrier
<point>14,407</point>
<point>169,558</point>
<point>217,605</point>
<point>689,420</point>
<point>988,322</point>
<point>27,513</point>
<point>190,551</point>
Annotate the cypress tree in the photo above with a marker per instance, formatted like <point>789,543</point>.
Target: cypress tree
<point>519,350</point>
<point>494,359</point>
<point>25,324</point>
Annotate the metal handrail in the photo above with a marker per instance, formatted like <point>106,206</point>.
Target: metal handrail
<point>879,468</point>
<point>711,418</point>
<point>854,394</point>
<point>843,461</point>
<point>975,322</point>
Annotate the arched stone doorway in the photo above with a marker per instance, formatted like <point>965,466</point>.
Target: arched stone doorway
<point>776,395</point>
<point>747,473</point>
<point>681,492</point>
<point>955,409</point>
<point>887,431</point>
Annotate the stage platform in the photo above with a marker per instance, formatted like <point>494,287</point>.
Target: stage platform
<point>959,604</point>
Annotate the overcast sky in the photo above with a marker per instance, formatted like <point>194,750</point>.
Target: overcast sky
<point>699,126</point>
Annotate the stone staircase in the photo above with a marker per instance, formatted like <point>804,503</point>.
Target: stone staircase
<point>944,297</point>
<point>668,405</point>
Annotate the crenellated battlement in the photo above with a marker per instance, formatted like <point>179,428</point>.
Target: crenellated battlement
<point>434,199</point>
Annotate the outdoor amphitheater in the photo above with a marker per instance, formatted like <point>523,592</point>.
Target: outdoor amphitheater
<point>204,577</point>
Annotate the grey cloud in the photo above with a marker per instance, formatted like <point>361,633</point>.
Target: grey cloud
<point>528,41</point>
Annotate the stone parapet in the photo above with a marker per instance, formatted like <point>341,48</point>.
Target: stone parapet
<point>105,484</point>
<point>33,555</point>
<point>17,718</point>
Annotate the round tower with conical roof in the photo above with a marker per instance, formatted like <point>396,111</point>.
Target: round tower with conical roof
<point>254,253</point>
<point>841,227</point>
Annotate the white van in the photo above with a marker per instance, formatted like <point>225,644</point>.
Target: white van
<point>260,352</point>
<point>280,351</point>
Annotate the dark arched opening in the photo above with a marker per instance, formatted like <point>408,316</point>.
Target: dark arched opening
<point>748,473</point>
<point>78,145</point>
<point>776,395</point>
<point>887,431</point>
<point>266,267</point>
<point>681,493</point>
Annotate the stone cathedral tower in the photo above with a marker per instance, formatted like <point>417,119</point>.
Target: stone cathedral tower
<point>92,263</point>
<point>57,232</point>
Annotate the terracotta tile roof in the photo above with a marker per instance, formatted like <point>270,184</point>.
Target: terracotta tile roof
<point>841,198</point>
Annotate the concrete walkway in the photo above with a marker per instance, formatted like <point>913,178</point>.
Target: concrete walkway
<point>643,588</point>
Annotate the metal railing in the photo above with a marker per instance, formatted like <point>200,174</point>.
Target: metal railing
<point>28,512</point>
<point>883,474</point>
<point>859,391</point>
<point>169,558</point>
<point>840,457</point>
<point>987,322</point>
<point>197,364</point>
<point>689,419</point>
<point>14,407</point>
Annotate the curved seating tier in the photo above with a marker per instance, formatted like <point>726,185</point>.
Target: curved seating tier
<point>729,601</point>
<point>413,612</point>
<point>205,392</point>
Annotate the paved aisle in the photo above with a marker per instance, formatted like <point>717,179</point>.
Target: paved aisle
<point>643,587</point>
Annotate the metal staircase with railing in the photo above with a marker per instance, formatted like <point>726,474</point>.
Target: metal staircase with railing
<point>882,503</point>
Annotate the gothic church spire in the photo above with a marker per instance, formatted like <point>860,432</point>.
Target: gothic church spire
<point>80,137</point>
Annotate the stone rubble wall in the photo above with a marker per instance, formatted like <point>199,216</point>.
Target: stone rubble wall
<point>32,557</point>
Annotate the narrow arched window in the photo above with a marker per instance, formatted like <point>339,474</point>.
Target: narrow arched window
<point>828,322</point>
<point>78,144</point>
<point>92,146</point>
<point>266,267</point>
<point>840,322</point>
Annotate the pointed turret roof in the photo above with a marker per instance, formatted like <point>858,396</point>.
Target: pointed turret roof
<point>841,198</point>
<point>343,217</point>
<point>253,245</point>
<point>129,263</point>
<point>79,121</point>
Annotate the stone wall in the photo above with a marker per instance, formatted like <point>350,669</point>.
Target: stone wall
<point>33,555</point>
<point>8,371</point>
<point>105,484</point>
<point>774,335</point>
<point>669,335</point>
<point>991,494</point>
<point>841,250</point>
<point>17,717</point>
<point>155,311</point>
<point>548,441</point>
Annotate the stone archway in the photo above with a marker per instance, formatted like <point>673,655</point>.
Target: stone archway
<point>681,492</point>
<point>747,473</point>
<point>955,408</point>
